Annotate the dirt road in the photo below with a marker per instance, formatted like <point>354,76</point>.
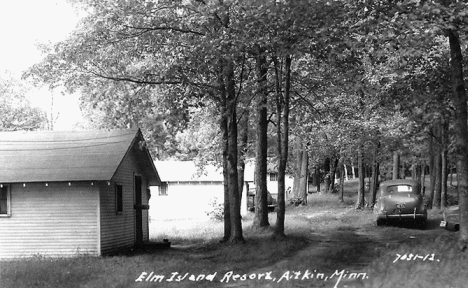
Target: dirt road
<point>339,257</point>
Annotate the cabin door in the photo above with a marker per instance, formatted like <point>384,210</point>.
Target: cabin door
<point>138,212</point>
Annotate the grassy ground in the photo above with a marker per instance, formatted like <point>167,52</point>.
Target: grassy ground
<point>329,244</point>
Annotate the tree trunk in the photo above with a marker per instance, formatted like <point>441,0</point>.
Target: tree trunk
<point>283,140</point>
<point>396,165</point>
<point>352,169</point>
<point>318,175</point>
<point>314,177</point>
<point>333,166</point>
<point>227,206</point>
<point>445,171</point>
<point>444,175</point>
<point>374,184</point>
<point>224,132</point>
<point>235,216</point>
<point>402,174</point>
<point>327,174</point>
<point>417,173</point>
<point>368,174</point>
<point>432,177</point>
<point>261,194</point>
<point>297,170</point>
<point>244,124</point>
<point>459,99</point>
<point>342,172</point>
<point>438,181</point>
<point>437,164</point>
<point>304,176</point>
<point>361,195</point>
<point>423,178</point>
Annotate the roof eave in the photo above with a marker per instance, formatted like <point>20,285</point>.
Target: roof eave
<point>150,170</point>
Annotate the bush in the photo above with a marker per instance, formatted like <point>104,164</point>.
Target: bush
<point>217,209</point>
<point>452,200</point>
<point>296,201</point>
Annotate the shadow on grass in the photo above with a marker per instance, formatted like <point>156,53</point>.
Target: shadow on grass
<point>349,250</point>
<point>259,250</point>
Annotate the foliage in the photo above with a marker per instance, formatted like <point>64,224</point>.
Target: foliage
<point>200,140</point>
<point>363,73</point>
<point>354,63</point>
<point>111,104</point>
<point>217,210</point>
<point>296,201</point>
<point>15,108</point>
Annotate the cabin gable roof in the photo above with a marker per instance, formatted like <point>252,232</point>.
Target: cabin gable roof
<point>188,171</point>
<point>50,156</point>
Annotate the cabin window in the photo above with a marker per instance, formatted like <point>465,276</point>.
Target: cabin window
<point>273,176</point>
<point>4,200</point>
<point>163,189</point>
<point>118,199</point>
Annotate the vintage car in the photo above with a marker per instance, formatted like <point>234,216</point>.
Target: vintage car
<point>400,201</point>
<point>271,200</point>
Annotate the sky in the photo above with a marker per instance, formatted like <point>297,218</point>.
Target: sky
<point>23,24</point>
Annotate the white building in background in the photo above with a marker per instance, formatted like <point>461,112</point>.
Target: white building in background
<point>187,192</point>
<point>272,178</point>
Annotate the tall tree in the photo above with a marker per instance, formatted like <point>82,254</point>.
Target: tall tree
<point>243,148</point>
<point>459,98</point>
<point>261,149</point>
<point>234,197</point>
<point>282,112</point>
<point>360,203</point>
<point>396,166</point>
<point>374,183</point>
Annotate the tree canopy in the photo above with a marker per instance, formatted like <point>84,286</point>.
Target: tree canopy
<point>16,109</point>
<point>343,77</point>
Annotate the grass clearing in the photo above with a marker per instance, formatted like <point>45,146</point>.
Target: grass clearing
<point>327,242</point>
<point>187,231</point>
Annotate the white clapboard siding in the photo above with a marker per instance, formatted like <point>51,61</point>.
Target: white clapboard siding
<point>55,220</point>
<point>118,230</point>
<point>185,200</point>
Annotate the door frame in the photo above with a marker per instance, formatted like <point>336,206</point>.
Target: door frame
<point>138,208</point>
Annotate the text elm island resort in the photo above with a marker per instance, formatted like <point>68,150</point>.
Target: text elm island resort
<point>270,276</point>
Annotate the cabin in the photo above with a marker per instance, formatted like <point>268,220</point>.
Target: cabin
<point>187,190</point>
<point>74,193</point>
<point>272,178</point>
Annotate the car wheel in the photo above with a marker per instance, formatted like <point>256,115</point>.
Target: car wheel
<point>421,224</point>
<point>380,222</point>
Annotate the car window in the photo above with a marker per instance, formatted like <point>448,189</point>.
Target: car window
<point>400,189</point>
